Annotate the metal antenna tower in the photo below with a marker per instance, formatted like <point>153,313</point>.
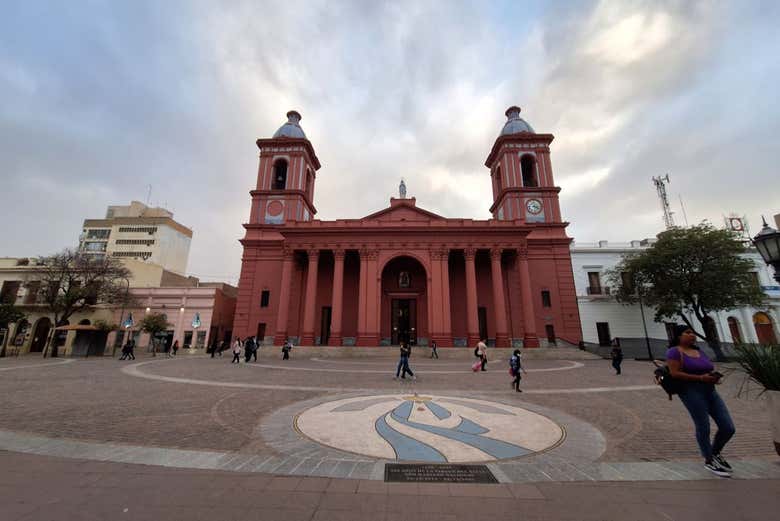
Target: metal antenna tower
<point>660,187</point>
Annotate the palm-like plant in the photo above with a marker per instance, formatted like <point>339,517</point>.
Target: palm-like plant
<point>761,363</point>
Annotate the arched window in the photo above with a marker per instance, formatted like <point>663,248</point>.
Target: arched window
<point>528,167</point>
<point>765,330</point>
<point>736,334</point>
<point>280,175</point>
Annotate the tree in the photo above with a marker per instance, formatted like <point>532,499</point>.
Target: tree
<point>71,282</point>
<point>154,324</point>
<point>692,271</point>
<point>8,315</point>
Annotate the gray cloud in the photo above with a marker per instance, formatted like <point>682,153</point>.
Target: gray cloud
<point>103,99</point>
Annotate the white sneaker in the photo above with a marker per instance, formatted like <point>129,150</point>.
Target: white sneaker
<point>717,469</point>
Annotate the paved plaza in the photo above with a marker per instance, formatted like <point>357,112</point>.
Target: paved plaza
<point>196,437</point>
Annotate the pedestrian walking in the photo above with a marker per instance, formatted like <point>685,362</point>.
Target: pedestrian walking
<point>167,349</point>
<point>175,347</point>
<point>434,353</point>
<point>516,368</point>
<point>403,362</point>
<point>248,346</point>
<point>213,350</point>
<point>255,348</point>
<point>286,348</point>
<point>697,378</point>
<point>481,352</point>
<point>130,348</point>
<point>236,351</point>
<point>125,351</point>
<point>222,347</point>
<point>617,355</point>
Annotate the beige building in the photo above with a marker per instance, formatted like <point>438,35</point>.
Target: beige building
<point>138,232</point>
<point>199,314</point>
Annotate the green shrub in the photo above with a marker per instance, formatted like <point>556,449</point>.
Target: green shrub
<point>761,363</point>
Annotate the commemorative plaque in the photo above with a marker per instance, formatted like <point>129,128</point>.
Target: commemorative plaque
<point>438,473</point>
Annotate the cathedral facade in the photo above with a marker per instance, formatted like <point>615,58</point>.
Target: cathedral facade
<point>404,273</point>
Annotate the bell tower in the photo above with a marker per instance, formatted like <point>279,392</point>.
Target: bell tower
<point>521,173</point>
<point>285,177</point>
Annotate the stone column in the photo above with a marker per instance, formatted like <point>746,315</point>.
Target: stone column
<point>280,335</point>
<point>367,312</point>
<point>472,322</point>
<point>311,299</point>
<point>529,318</point>
<point>338,293</point>
<point>446,339</point>
<point>499,304</point>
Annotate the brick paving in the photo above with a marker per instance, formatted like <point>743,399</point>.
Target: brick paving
<point>38,488</point>
<point>119,416</point>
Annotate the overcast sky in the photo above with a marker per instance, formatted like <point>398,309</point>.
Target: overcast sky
<point>99,100</point>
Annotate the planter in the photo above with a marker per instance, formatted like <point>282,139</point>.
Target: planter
<point>773,403</point>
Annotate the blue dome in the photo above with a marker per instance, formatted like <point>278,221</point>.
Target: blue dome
<point>291,128</point>
<point>515,124</point>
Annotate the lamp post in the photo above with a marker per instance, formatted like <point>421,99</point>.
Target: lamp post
<point>122,314</point>
<point>767,242</point>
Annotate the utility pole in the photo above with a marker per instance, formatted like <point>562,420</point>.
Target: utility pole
<point>660,187</point>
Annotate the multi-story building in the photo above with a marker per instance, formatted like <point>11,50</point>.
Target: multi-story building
<point>138,232</point>
<point>604,319</point>
<point>199,313</point>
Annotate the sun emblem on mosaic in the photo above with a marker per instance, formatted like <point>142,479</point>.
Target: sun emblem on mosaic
<point>429,428</point>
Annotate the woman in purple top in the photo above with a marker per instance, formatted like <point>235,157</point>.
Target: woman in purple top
<point>697,392</point>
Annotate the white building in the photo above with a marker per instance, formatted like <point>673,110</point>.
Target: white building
<point>604,319</point>
<point>138,232</point>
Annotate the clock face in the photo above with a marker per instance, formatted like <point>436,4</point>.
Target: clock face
<point>533,206</point>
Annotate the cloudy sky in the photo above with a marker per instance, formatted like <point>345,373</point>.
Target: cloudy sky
<point>99,100</point>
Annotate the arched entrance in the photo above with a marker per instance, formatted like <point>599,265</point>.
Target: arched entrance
<point>404,315</point>
<point>21,332</point>
<point>765,330</point>
<point>40,335</point>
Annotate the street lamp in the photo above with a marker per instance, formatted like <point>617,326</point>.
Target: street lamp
<point>767,242</point>
<point>122,314</point>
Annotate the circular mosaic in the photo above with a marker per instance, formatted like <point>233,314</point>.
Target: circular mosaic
<point>428,428</point>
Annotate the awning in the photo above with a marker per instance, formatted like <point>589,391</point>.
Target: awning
<point>77,327</point>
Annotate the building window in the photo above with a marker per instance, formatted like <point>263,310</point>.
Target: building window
<point>98,234</point>
<point>135,254</point>
<point>147,242</point>
<point>265,297</point>
<point>546,302</point>
<point>151,230</point>
<point>280,175</point>
<point>528,167</point>
<point>594,283</point>
<point>602,328</point>
<point>94,246</point>
<point>9,292</point>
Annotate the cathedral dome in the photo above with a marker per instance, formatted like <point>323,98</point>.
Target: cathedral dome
<point>291,128</point>
<point>515,124</point>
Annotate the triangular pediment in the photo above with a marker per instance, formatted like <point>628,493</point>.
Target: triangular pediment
<point>403,210</point>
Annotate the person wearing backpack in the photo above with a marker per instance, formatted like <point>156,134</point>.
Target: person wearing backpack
<point>515,368</point>
<point>696,378</point>
<point>481,352</point>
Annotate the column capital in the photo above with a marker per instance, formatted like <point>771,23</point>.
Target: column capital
<point>313,253</point>
<point>469,253</point>
<point>339,253</point>
<point>495,253</point>
<point>440,253</point>
<point>522,250</point>
<point>368,254</point>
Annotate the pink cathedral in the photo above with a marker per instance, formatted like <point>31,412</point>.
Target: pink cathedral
<point>404,273</point>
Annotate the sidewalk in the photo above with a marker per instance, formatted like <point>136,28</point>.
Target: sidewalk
<point>45,488</point>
